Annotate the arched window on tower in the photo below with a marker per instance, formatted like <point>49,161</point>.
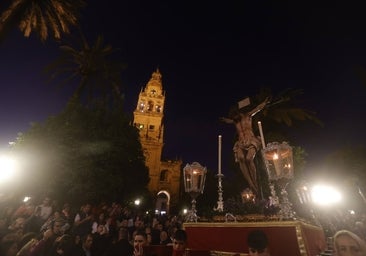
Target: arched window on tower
<point>142,106</point>
<point>158,108</point>
<point>150,105</point>
<point>164,176</point>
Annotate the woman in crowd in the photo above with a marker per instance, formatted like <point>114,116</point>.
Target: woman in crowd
<point>346,243</point>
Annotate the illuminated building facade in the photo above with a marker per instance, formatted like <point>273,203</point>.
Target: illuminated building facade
<point>165,176</point>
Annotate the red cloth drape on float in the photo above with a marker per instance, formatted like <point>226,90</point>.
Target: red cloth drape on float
<point>293,238</point>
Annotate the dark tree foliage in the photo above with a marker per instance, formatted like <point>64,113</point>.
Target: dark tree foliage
<point>83,154</point>
<point>93,68</point>
<point>44,17</point>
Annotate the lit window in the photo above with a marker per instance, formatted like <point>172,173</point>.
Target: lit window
<point>142,106</point>
<point>150,106</point>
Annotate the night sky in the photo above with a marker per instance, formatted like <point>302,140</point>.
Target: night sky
<point>210,57</point>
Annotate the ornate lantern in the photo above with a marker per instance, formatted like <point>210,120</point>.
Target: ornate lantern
<point>194,183</point>
<point>278,159</point>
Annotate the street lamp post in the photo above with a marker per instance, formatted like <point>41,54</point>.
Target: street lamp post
<point>194,183</point>
<point>278,160</point>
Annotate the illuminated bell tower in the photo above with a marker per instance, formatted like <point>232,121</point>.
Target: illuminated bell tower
<point>148,118</point>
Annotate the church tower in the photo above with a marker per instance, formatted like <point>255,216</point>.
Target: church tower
<point>148,118</point>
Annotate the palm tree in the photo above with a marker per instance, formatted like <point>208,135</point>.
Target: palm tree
<point>96,72</point>
<point>41,16</point>
<point>283,109</point>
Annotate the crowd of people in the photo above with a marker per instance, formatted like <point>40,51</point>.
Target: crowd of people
<point>47,229</point>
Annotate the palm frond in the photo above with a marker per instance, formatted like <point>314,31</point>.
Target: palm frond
<point>93,66</point>
<point>41,16</point>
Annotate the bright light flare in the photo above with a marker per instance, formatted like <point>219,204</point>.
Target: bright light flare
<point>137,202</point>
<point>325,195</point>
<point>7,168</point>
<point>26,199</point>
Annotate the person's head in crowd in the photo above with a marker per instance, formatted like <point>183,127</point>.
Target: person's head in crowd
<point>258,244</point>
<point>179,240</point>
<point>86,208</point>
<point>148,234</point>
<point>139,241</point>
<point>87,242</point>
<point>57,225</point>
<point>347,243</point>
<point>164,238</point>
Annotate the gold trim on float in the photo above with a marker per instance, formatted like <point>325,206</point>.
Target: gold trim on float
<point>220,253</point>
<point>248,224</point>
<point>300,239</point>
